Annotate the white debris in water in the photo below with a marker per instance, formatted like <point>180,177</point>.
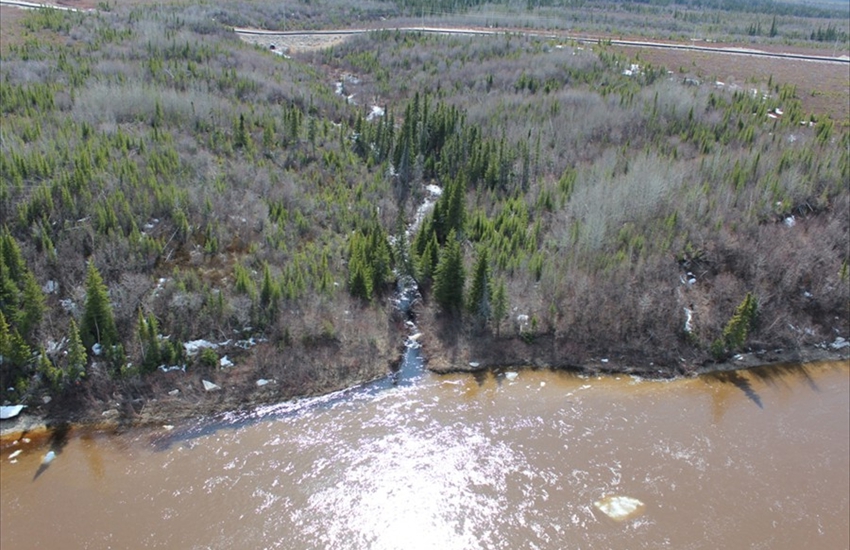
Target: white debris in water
<point>225,362</point>
<point>10,411</point>
<point>16,454</point>
<point>689,327</point>
<point>511,375</point>
<point>209,386</point>
<point>619,507</point>
<point>375,113</point>
<point>435,190</point>
<point>48,458</point>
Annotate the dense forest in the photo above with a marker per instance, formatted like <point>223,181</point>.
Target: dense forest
<point>177,204</point>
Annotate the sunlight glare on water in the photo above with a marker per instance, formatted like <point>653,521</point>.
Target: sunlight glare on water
<point>759,459</point>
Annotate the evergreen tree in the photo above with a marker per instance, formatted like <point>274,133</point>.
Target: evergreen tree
<point>50,372</point>
<point>33,307</point>
<point>738,328</point>
<point>480,293</point>
<point>76,354</point>
<point>270,294</point>
<point>149,342</point>
<point>500,305</point>
<point>360,276</point>
<point>429,259</point>
<point>98,323</point>
<point>449,277</point>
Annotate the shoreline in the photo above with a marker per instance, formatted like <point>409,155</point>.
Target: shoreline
<point>154,412</point>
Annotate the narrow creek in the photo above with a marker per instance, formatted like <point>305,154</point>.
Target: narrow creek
<point>751,459</point>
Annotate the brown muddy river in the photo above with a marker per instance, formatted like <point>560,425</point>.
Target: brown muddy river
<point>757,460</point>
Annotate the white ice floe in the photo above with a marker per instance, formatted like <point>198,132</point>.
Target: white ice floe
<point>619,507</point>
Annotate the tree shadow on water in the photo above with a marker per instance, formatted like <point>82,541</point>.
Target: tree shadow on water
<point>58,439</point>
<point>734,377</point>
<point>785,372</point>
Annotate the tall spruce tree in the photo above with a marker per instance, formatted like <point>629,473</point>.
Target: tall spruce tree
<point>76,368</point>
<point>449,277</point>
<point>480,293</point>
<point>98,323</point>
<point>500,305</point>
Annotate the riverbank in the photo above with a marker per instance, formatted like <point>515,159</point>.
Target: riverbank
<point>237,392</point>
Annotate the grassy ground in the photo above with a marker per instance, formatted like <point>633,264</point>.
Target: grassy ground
<point>823,88</point>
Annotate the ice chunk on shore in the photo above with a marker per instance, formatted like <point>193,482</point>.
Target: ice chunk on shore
<point>839,343</point>
<point>10,411</point>
<point>619,507</point>
<point>193,347</point>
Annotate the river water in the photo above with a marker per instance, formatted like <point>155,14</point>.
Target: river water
<point>754,459</point>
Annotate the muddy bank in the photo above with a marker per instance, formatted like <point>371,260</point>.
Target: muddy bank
<point>470,354</point>
<point>266,374</point>
<point>241,388</point>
